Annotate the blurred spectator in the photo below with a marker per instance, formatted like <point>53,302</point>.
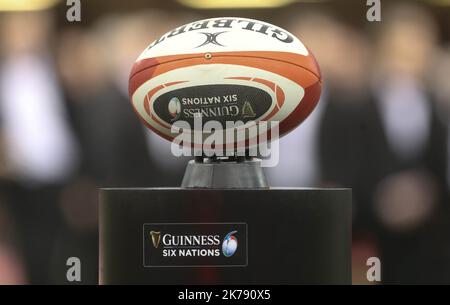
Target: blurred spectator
<point>40,150</point>
<point>406,153</point>
<point>39,144</point>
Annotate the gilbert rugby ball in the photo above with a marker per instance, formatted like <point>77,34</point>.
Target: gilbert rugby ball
<point>225,69</point>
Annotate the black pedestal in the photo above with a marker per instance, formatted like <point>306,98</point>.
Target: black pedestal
<point>284,236</point>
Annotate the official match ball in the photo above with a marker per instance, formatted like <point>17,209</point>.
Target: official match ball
<point>224,70</point>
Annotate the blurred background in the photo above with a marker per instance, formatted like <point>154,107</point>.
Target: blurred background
<point>67,128</point>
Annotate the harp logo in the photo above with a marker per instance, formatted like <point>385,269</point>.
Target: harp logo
<point>156,238</point>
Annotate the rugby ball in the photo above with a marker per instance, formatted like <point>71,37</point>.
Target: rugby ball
<point>224,70</point>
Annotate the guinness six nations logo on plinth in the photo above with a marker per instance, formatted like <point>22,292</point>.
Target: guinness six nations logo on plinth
<point>194,244</point>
